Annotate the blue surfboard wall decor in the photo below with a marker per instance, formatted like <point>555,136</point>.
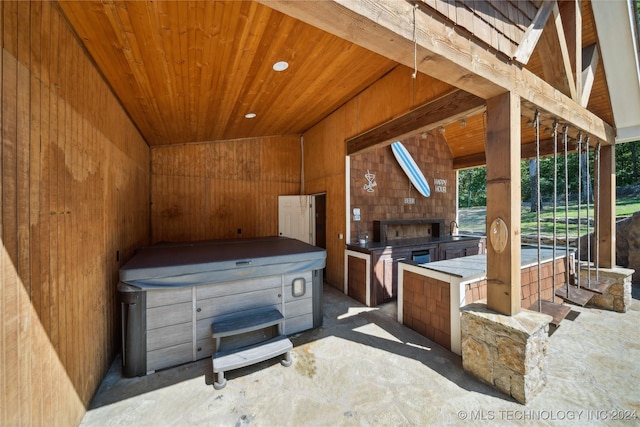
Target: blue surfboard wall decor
<point>410,168</point>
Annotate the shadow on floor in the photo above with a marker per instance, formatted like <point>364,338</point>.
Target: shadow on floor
<point>343,318</point>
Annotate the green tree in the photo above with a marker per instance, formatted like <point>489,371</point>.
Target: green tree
<point>627,164</point>
<point>472,187</point>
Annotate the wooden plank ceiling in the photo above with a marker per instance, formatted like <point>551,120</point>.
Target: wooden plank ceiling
<point>189,71</point>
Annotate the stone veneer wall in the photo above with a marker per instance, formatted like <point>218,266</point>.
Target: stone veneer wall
<point>618,296</point>
<point>507,352</point>
<point>426,307</point>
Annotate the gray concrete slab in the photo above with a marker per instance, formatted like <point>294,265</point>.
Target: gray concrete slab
<point>363,368</point>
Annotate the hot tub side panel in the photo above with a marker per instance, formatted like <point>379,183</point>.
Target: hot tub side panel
<point>173,326</point>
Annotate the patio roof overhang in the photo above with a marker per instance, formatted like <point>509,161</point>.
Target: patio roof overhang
<point>620,56</point>
<point>445,54</point>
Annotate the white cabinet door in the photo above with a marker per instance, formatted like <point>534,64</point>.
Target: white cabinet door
<point>295,218</point>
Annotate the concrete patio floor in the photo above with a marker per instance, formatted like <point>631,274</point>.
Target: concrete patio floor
<point>363,368</point>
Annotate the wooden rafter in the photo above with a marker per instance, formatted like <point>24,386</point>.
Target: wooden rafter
<point>556,59</point>
<point>439,112</point>
<point>590,58</point>
<point>443,53</point>
<point>571,17</point>
<point>533,33</point>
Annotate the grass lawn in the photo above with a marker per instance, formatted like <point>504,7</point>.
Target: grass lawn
<point>473,219</point>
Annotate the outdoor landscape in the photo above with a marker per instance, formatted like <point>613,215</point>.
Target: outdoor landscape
<point>472,195</point>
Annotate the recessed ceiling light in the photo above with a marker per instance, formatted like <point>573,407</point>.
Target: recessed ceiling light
<point>281,66</point>
<point>250,115</point>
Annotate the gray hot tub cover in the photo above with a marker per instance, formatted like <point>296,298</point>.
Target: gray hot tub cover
<point>184,264</point>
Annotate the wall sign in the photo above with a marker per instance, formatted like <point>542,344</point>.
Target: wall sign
<point>370,177</point>
<point>440,185</point>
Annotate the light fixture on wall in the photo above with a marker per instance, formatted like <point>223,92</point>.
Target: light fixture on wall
<point>250,115</point>
<point>441,130</point>
<point>463,123</point>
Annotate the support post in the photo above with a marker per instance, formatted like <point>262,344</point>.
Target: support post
<point>502,148</point>
<point>607,207</point>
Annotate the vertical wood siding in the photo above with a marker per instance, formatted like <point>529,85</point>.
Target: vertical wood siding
<point>74,204</point>
<point>221,190</point>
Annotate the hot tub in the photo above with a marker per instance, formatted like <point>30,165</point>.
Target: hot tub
<point>171,293</point>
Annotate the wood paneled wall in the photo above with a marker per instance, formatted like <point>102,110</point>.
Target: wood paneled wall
<point>221,190</point>
<point>432,155</point>
<point>74,205</point>
<point>325,149</point>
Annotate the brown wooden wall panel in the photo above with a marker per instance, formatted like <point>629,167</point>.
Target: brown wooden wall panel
<point>214,190</point>
<point>325,150</point>
<point>74,205</point>
<point>333,187</point>
<point>357,279</point>
<point>426,307</point>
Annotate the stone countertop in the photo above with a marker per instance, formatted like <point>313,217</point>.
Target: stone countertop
<point>475,266</point>
<point>370,246</point>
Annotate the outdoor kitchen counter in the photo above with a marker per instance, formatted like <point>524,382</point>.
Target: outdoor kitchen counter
<point>370,246</point>
<point>430,295</point>
<point>371,275</point>
<point>475,266</point>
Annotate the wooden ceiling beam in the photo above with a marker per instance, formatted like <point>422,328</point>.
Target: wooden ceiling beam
<point>443,52</point>
<point>439,112</point>
<point>470,161</point>
<point>527,151</point>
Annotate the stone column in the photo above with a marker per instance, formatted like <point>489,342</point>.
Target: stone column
<point>507,352</point>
